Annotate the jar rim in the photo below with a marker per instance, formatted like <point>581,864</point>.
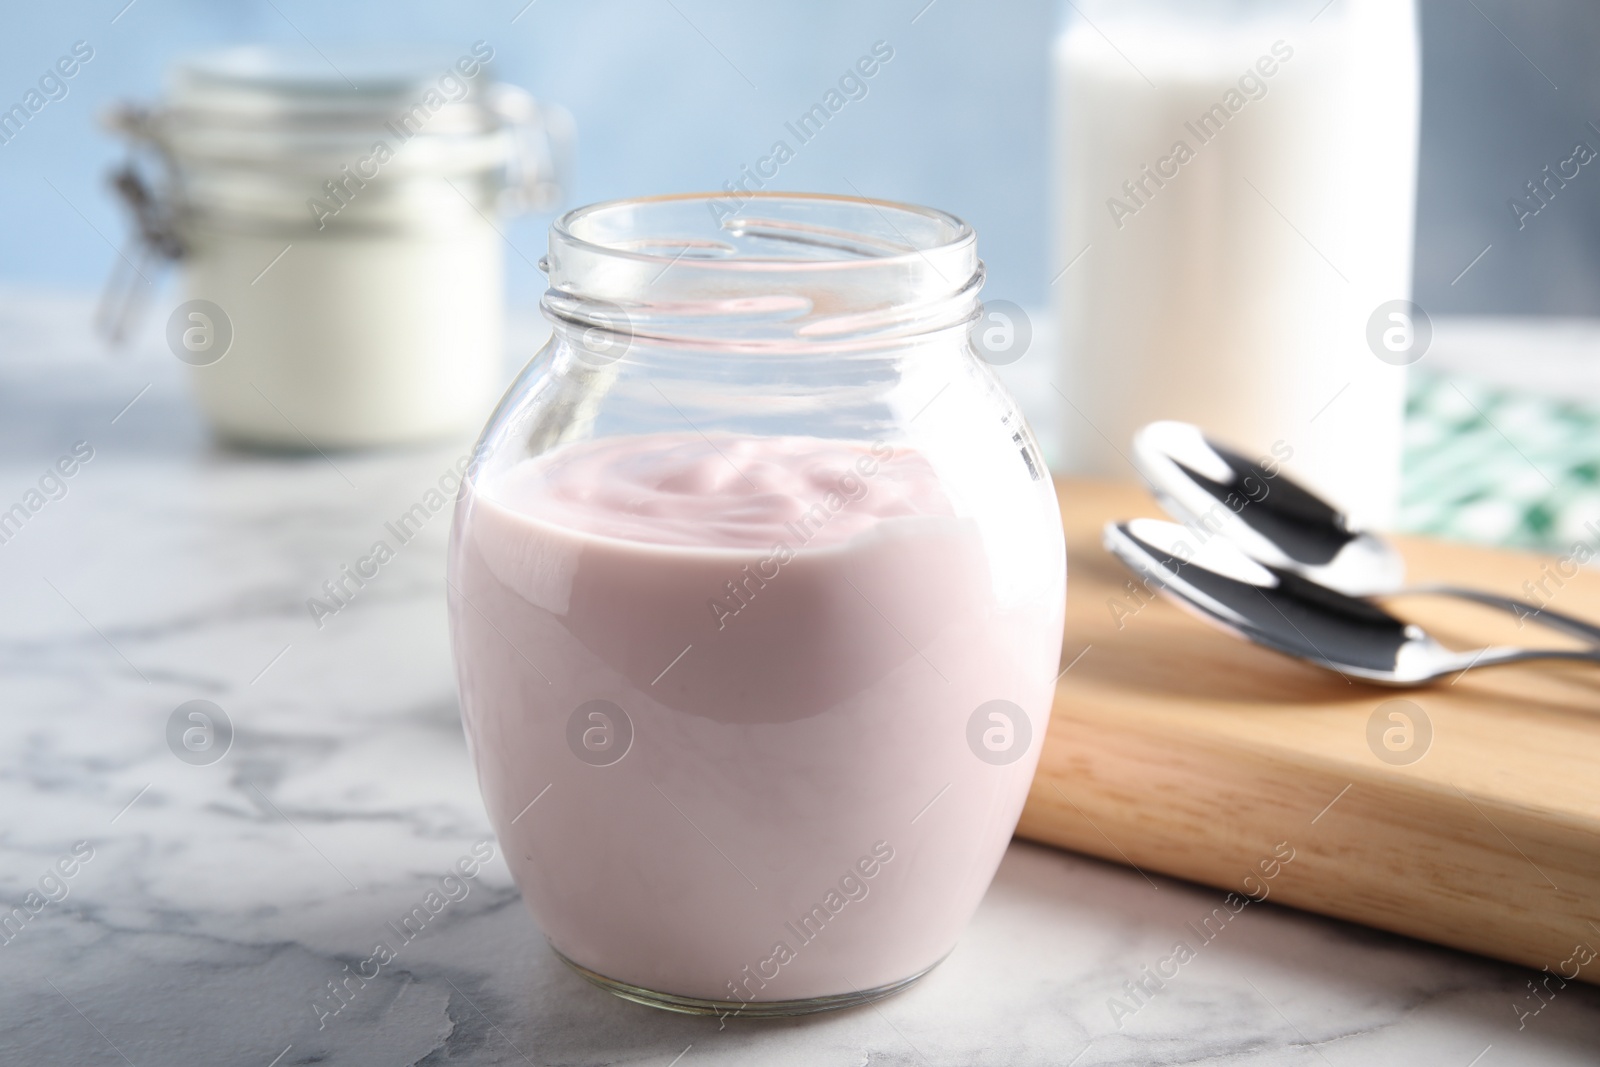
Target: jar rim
<point>282,108</point>
<point>961,233</point>
<point>283,79</point>
<point>771,271</point>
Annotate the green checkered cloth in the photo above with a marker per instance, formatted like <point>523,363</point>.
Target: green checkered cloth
<point>1499,466</point>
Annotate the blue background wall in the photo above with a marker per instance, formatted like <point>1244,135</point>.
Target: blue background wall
<point>678,94</point>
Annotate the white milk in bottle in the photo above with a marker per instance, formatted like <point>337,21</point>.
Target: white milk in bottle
<point>1235,187</point>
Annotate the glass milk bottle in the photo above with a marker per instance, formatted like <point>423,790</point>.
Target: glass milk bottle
<point>1234,190</point>
<point>335,220</point>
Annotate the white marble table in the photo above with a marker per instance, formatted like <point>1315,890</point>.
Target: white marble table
<point>221,899</point>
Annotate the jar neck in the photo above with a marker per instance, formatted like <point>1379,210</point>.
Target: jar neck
<point>768,274</point>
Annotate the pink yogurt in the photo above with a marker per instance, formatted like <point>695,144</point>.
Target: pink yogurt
<point>797,633</point>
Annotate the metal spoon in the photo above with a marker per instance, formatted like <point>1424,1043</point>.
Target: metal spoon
<point>1281,524</point>
<point>1286,612</point>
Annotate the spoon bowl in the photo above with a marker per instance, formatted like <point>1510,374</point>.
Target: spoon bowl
<point>1215,490</point>
<point>1287,612</point>
<point>1258,507</point>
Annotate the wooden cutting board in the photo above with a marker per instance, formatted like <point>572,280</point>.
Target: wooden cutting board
<point>1177,748</point>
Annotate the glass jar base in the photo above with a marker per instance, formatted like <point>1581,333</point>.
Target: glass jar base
<point>757,1009</point>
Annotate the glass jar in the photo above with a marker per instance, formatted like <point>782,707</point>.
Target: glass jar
<point>336,227</point>
<point>1235,189</point>
<point>756,592</point>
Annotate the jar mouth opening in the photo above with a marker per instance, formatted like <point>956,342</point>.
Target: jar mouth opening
<point>769,271</point>
<point>775,230</point>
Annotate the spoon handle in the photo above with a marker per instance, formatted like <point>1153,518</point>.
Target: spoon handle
<point>1588,631</point>
<point>1493,657</point>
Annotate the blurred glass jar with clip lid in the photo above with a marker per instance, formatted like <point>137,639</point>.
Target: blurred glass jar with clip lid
<point>336,224</point>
